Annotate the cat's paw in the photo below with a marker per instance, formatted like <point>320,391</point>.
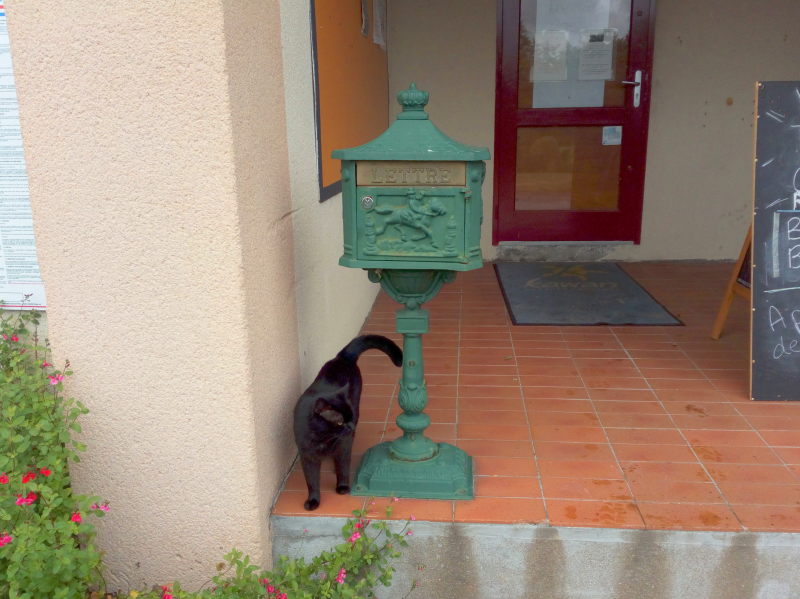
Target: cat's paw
<point>311,504</point>
<point>342,489</point>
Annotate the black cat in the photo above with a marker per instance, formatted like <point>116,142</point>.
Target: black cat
<point>326,414</point>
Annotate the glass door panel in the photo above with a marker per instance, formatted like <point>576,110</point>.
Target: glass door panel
<point>567,168</point>
<point>573,53</point>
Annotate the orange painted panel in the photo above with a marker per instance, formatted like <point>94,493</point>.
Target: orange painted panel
<point>353,79</point>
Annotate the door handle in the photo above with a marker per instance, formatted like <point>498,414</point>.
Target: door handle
<point>636,84</point>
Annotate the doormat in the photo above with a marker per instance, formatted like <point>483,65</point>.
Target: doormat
<point>571,293</point>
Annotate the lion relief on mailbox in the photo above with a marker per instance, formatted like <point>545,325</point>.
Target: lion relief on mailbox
<point>414,224</point>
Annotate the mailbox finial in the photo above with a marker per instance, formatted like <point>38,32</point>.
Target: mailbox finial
<point>413,101</point>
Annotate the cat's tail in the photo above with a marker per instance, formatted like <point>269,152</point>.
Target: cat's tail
<point>361,344</point>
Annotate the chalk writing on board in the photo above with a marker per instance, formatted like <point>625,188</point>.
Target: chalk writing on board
<point>785,242</point>
<point>775,115</point>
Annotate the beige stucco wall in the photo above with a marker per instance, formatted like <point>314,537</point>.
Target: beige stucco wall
<point>698,190</point>
<point>699,184</point>
<point>332,301</point>
<point>255,89</point>
<point>155,142</point>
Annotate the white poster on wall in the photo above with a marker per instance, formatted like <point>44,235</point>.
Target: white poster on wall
<point>20,284</point>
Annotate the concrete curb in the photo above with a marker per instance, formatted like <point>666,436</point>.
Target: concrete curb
<point>527,561</point>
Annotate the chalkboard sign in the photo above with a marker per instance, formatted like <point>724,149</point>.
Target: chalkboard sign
<point>776,244</point>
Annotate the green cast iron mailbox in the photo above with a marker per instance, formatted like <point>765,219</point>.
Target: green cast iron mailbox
<point>412,196</point>
<point>412,210</point>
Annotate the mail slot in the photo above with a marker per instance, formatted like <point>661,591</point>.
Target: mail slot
<point>411,198</point>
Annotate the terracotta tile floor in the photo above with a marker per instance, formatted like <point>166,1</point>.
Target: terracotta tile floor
<point>621,427</point>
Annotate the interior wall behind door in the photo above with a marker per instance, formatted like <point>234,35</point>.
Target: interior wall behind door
<point>447,47</point>
<point>698,188</point>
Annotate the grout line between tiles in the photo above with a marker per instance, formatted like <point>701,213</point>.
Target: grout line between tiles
<point>458,392</point>
<point>634,500</point>
<point>509,328</point>
<point>528,419</point>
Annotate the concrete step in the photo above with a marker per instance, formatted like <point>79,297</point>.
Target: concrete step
<point>526,561</point>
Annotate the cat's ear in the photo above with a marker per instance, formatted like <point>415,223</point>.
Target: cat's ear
<point>323,409</point>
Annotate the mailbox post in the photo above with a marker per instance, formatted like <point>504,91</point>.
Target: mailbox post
<point>412,212</point>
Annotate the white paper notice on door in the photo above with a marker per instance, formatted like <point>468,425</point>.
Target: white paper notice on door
<point>550,55</point>
<point>596,61</point>
<point>20,285</point>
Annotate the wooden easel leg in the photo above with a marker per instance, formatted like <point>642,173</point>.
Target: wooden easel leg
<point>730,289</point>
<point>722,315</point>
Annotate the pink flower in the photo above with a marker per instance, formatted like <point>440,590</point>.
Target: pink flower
<point>354,537</point>
<point>28,477</point>
<point>27,500</point>
<point>341,576</point>
<point>104,508</point>
<point>55,379</point>
<point>45,472</point>
<point>409,533</point>
<point>14,338</point>
<point>395,499</point>
<point>165,594</point>
<point>270,588</point>
<point>412,517</point>
<point>281,596</point>
<point>5,539</point>
<point>46,364</point>
<point>5,337</point>
<point>76,517</point>
<point>3,479</point>
<point>264,581</point>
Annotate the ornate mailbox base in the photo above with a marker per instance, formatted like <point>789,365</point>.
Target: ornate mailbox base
<point>413,465</point>
<point>447,475</point>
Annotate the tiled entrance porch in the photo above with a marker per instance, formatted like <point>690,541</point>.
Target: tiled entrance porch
<point>614,427</point>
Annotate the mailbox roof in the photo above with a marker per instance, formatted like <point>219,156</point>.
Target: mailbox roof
<point>413,137</point>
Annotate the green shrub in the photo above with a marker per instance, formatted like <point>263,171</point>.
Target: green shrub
<point>47,548</point>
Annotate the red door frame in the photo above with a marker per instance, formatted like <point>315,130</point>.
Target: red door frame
<point>561,225</point>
